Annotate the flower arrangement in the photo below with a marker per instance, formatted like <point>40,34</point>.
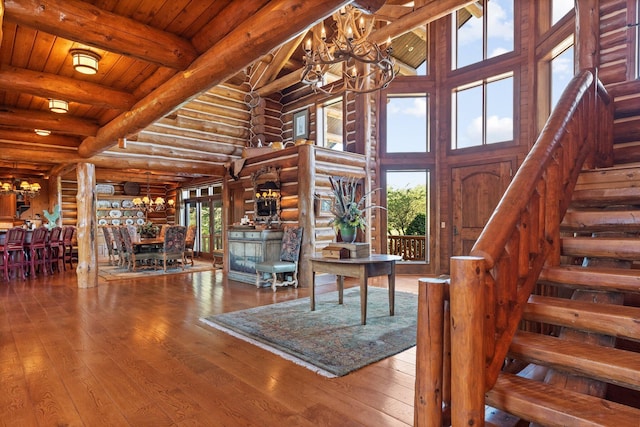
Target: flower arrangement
<point>347,212</point>
<point>148,229</point>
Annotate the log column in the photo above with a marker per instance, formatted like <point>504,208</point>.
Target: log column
<point>467,346</point>
<point>587,35</point>
<point>306,212</point>
<point>87,269</point>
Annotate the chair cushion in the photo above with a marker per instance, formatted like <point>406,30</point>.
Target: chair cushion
<point>276,267</point>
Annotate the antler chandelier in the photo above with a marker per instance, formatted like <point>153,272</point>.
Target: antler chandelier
<point>367,67</point>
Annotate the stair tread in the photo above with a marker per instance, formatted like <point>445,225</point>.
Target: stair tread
<point>551,406</point>
<point>623,248</point>
<point>593,220</point>
<point>607,364</point>
<point>609,319</point>
<point>600,278</point>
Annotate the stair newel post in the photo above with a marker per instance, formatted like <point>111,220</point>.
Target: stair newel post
<point>467,341</point>
<point>430,353</point>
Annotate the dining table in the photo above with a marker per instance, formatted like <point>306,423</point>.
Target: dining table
<point>151,244</point>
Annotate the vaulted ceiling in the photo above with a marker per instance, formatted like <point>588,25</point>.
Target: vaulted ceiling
<point>167,67</point>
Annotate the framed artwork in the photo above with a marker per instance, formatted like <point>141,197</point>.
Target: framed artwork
<point>301,125</point>
<point>323,206</point>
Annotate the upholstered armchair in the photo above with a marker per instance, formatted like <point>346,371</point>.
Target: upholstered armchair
<point>286,266</point>
<point>173,246</point>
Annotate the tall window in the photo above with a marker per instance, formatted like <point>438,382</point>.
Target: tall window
<point>559,8</point>
<point>562,65</point>
<point>407,124</point>
<point>479,35</point>
<point>483,112</point>
<point>331,125</point>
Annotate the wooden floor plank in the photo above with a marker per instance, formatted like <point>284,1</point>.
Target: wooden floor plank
<point>134,352</point>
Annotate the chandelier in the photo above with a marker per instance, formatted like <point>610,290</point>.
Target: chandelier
<point>20,188</point>
<point>367,66</point>
<point>148,204</point>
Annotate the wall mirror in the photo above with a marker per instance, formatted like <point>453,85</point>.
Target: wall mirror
<point>266,185</point>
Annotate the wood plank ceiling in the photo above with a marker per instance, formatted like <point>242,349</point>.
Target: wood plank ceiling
<point>167,69</point>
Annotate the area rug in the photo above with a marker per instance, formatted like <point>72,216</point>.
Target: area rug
<point>110,272</point>
<point>330,340</point>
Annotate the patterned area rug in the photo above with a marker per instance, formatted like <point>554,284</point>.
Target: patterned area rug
<point>329,340</point>
<point>110,272</point>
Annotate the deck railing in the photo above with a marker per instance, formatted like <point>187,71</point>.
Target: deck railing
<point>489,289</point>
<point>410,248</point>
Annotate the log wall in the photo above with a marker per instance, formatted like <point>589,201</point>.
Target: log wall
<point>304,175</point>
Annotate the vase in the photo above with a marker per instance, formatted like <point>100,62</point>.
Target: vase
<point>348,233</point>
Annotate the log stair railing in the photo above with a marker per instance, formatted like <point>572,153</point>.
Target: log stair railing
<point>519,300</point>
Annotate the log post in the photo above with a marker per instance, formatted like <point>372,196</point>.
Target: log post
<point>429,353</point>
<point>467,351</point>
<point>587,35</point>
<point>306,204</point>
<point>87,270</point>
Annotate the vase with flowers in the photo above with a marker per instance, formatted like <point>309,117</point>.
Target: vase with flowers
<point>348,213</point>
<point>148,230</point>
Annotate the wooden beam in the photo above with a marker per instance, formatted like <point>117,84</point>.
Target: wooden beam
<point>30,119</point>
<point>430,12</point>
<point>250,40</point>
<point>370,6</point>
<point>21,137</point>
<point>46,85</point>
<point>2,10</point>
<point>85,23</point>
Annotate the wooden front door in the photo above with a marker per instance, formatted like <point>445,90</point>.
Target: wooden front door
<point>476,192</point>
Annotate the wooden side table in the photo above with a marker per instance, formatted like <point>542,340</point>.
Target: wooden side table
<point>360,268</point>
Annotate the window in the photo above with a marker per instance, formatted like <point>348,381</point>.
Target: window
<point>559,8</point>
<point>561,70</point>
<point>407,124</point>
<point>412,47</point>
<point>478,35</point>
<point>483,112</point>
<point>331,125</point>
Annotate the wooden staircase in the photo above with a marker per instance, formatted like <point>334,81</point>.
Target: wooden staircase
<point>581,334</point>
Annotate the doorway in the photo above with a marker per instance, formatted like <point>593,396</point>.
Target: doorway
<point>206,214</point>
<point>408,219</point>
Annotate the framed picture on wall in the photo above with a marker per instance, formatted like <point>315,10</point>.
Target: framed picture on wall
<point>323,205</point>
<point>301,125</point>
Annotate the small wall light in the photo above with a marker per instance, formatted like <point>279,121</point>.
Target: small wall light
<point>58,106</point>
<point>85,61</point>
<point>43,132</point>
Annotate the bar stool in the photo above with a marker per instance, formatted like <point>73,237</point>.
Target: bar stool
<point>67,246</point>
<point>37,250</point>
<point>54,243</point>
<point>13,256</point>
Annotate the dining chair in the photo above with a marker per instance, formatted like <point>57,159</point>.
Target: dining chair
<point>13,255</point>
<point>173,246</point>
<point>288,262</point>
<point>189,243</point>
<point>54,244</point>
<point>37,251</point>
<point>120,248</point>
<point>134,258</point>
<point>112,251</point>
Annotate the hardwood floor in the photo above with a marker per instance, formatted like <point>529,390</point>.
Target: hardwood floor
<point>135,353</point>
